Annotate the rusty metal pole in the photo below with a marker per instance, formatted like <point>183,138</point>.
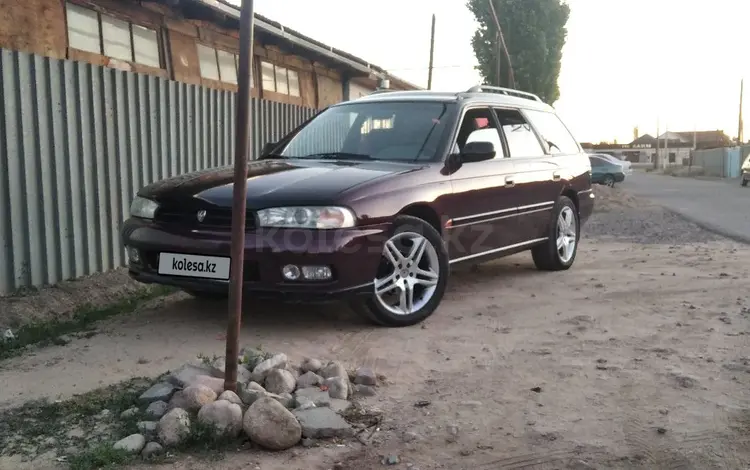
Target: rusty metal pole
<point>243,137</point>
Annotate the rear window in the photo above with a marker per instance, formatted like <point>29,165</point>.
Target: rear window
<point>553,132</point>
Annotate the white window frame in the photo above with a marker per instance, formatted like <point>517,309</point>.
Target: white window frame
<point>100,46</point>
<point>221,78</point>
<point>285,72</point>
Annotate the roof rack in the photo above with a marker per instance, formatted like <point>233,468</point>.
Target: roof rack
<point>384,90</point>
<point>504,91</point>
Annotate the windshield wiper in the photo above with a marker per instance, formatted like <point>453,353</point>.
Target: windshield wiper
<point>339,156</point>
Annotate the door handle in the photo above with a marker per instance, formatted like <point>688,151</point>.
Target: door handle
<point>509,182</point>
<point>556,176</point>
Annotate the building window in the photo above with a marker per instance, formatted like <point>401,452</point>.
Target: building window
<point>279,79</point>
<point>94,32</point>
<point>219,65</point>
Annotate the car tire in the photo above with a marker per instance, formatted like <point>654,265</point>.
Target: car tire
<point>206,295</point>
<point>550,256</point>
<point>433,257</point>
<point>609,180</point>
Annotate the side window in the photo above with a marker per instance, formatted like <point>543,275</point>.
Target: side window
<point>596,162</point>
<point>553,131</point>
<point>522,141</point>
<point>478,126</point>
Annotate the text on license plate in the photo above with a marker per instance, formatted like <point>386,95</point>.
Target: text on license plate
<point>210,267</point>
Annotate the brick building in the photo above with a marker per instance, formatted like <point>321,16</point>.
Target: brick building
<point>191,41</point>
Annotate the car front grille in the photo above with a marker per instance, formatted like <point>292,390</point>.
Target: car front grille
<point>186,215</point>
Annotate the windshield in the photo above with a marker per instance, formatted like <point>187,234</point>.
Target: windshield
<point>396,131</point>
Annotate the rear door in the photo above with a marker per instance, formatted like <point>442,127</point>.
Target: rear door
<point>482,205</point>
<point>537,178</point>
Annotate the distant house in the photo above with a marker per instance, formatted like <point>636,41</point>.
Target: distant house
<point>678,146</point>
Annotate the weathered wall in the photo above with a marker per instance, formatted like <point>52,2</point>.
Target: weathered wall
<point>36,26</point>
<point>39,26</point>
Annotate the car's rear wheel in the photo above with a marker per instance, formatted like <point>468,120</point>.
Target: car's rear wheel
<point>609,180</point>
<point>411,278</point>
<point>559,251</point>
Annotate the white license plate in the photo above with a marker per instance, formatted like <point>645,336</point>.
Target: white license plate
<point>208,267</point>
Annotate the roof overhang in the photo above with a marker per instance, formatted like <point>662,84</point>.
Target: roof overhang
<point>282,36</point>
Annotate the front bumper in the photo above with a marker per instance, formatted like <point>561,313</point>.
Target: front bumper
<point>352,254</point>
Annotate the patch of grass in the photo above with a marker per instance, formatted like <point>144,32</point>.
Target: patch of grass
<point>39,420</point>
<point>46,332</point>
<point>103,456</point>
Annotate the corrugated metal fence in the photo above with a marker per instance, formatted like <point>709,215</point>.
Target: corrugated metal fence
<point>77,141</point>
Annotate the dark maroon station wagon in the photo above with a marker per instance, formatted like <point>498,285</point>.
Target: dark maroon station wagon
<point>375,200</point>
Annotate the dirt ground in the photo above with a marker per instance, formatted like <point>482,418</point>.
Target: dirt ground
<point>636,358</point>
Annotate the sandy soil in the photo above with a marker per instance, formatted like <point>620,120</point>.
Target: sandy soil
<point>638,357</point>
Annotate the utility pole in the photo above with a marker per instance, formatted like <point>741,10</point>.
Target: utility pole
<point>243,137</point>
<point>432,53</point>
<point>741,128</point>
<point>497,42</point>
<point>501,46</point>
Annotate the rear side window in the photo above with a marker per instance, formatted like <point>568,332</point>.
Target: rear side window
<point>553,132</point>
<point>522,141</point>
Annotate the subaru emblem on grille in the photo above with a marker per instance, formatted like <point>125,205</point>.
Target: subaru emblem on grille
<point>201,215</point>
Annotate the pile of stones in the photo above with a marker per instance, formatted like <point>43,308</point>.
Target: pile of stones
<point>277,405</point>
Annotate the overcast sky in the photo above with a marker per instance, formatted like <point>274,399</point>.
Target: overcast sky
<point>626,63</point>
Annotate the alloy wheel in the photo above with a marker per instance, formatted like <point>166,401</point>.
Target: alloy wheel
<point>566,234</point>
<point>408,274</point>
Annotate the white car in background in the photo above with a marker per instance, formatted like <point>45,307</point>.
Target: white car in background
<point>626,165</point>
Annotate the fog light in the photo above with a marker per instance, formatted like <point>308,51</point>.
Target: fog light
<point>316,273</point>
<point>134,255</point>
<point>290,272</point>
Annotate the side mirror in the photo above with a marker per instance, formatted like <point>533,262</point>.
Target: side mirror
<point>267,148</point>
<point>477,152</point>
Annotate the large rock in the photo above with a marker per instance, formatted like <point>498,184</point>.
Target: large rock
<point>196,396</point>
<point>311,365</point>
<point>161,391</point>
<point>309,379</point>
<point>214,383</point>
<point>133,444</point>
<point>314,395</point>
<point>251,392</point>
<point>333,369</point>
<point>285,399</point>
<point>271,426</point>
<point>280,381</point>
<point>157,409</point>
<point>365,376</point>
<point>277,361</point>
<point>174,427</point>
<point>320,423</point>
<point>231,397</point>
<point>147,428</point>
<point>186,374</point>
<point>338,387</point>
<point>223,416</point>
<point>152,449</point>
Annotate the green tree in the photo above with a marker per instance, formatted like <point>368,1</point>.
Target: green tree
<point>534,32</point>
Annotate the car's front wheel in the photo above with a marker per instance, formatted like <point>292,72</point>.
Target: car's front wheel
<point>411,279</point>
<point>561,247</point>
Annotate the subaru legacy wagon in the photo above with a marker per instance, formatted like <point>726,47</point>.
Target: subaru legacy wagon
<point>374,201</point>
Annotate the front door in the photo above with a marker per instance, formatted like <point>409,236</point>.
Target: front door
<point>482,207</point>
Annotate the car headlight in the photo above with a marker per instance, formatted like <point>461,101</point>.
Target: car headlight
<point>306,217</point>
<point>143,208</point>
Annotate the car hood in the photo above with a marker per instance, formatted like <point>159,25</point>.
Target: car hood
<point>275,182</point>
